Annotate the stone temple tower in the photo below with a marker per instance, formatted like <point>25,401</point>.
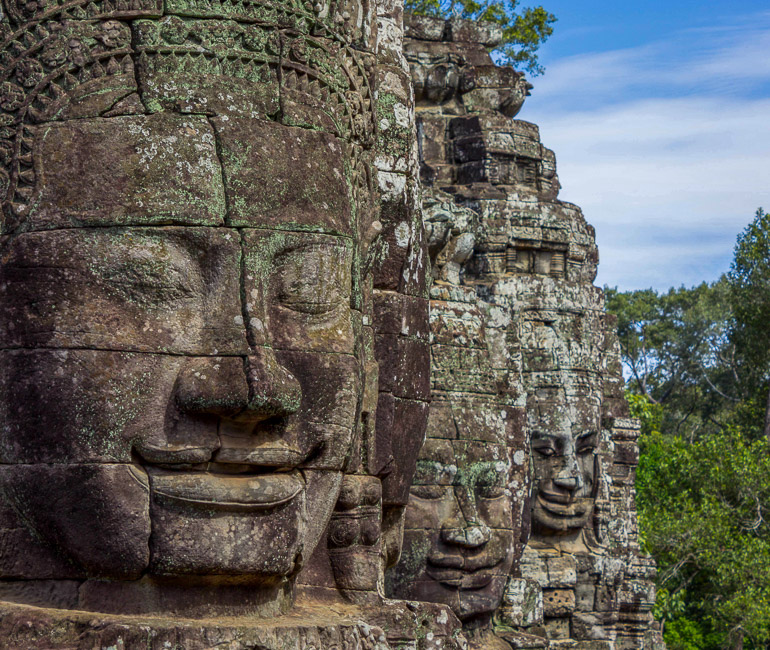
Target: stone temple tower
<point>512,250</point>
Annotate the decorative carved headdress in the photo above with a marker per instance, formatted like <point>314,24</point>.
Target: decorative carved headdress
<point>295,62</point>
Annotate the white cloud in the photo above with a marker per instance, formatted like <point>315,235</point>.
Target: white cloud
<point>667,164</point>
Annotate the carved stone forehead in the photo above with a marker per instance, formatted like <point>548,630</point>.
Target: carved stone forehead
<point>229,70</point>
<point>473,418</point>
<point>171,169</point>
<point>571,409</point>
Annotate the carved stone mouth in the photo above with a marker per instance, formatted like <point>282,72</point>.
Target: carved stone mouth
<point>561,508</point>
<point>232,479</point>
<point>225,491</point>
<point>476,579</point>
<point>469,573</point>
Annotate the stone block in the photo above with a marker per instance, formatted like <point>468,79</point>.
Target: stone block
<point>271,182</point>
<point>460,30</point>
<point>60,594</point>
<point>298,287</point>
<point>534,567</point>
<point>45,397</point>
<point>409,417</point>
<point>381,460</point>
<point>627,453</point>
<point>424,28</point>
<point>133,170</point>
<point>466,370</point>
<point>557,629</point>
<point>184,68</point>
<point>522,604</point>
<point>164,290</point>
<point>39,562</point>
<point>23,626</point>
<point>584,596</point>
<point>58,502</point>
<point>562,571</point>
<point>558,602</point>
<point>395,313</point>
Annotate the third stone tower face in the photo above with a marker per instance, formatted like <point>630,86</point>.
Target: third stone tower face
<point>519,335</point>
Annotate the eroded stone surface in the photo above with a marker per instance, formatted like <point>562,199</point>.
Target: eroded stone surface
<point>516,321</point>
<point>216,348</point>
<point>210,225</point>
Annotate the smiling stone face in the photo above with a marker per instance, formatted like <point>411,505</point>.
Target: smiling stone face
<point>460,506</point>
<point>564,441</point>
<point>187,374</point>
<point>463,523</point>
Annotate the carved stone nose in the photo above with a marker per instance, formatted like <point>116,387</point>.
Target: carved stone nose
<point>212,385</point>
<point>273,390</point>
<point>570,483</point>
<point>252,389</point>
<point>470,536</point>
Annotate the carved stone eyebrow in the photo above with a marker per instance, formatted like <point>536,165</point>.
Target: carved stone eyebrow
<point>547,435</point>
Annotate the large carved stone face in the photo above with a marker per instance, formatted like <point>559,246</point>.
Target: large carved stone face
<point>564,441</point>
<point>191,384</point>
<point>459,532</point>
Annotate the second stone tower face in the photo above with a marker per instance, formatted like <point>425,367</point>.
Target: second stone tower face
<point>513,300</point>
<point>464,518</point>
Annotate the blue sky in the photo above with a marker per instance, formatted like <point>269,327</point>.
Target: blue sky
<point>659,114</point>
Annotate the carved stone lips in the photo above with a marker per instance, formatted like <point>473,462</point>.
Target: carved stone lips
<point>562,507</point>
<point>226,491</point>
<point>463,579</point>
<point>461,571</point>
<point>233,479</point>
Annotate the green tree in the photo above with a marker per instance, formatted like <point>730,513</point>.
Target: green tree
<point>698,368</point>
<point>524,30</point>
<point>676,350</point>
<point>703,509</point>
<point>749,283</point>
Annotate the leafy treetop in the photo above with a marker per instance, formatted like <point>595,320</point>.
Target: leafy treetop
<point>698,368</point>
<point>524,30</point>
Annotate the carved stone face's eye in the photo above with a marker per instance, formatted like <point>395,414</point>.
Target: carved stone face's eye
<point>586,444</point>
<point>146,283</point>
<point>428,491</point>
<point>311,280</point>
<point>490,490</point>
<point>490,482</point>
<point>432,473</point>
<point>547,451</point>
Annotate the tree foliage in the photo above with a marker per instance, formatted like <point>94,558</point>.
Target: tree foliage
<point>749,283</point>
<point>677,352</point>
<point>703,509</point>
<point>524,30</point>
<point>698,366</point>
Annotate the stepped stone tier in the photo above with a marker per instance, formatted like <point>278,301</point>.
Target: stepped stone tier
<point>529,441</point>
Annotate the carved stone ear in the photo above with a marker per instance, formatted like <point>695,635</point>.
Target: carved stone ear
<point>354,539</point>
<point>601,521</point>
<point>454,255</point>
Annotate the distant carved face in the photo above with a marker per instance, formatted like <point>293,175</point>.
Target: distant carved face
<point>564,467</point>
<point>459,537</point>
<point>180,378</point>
